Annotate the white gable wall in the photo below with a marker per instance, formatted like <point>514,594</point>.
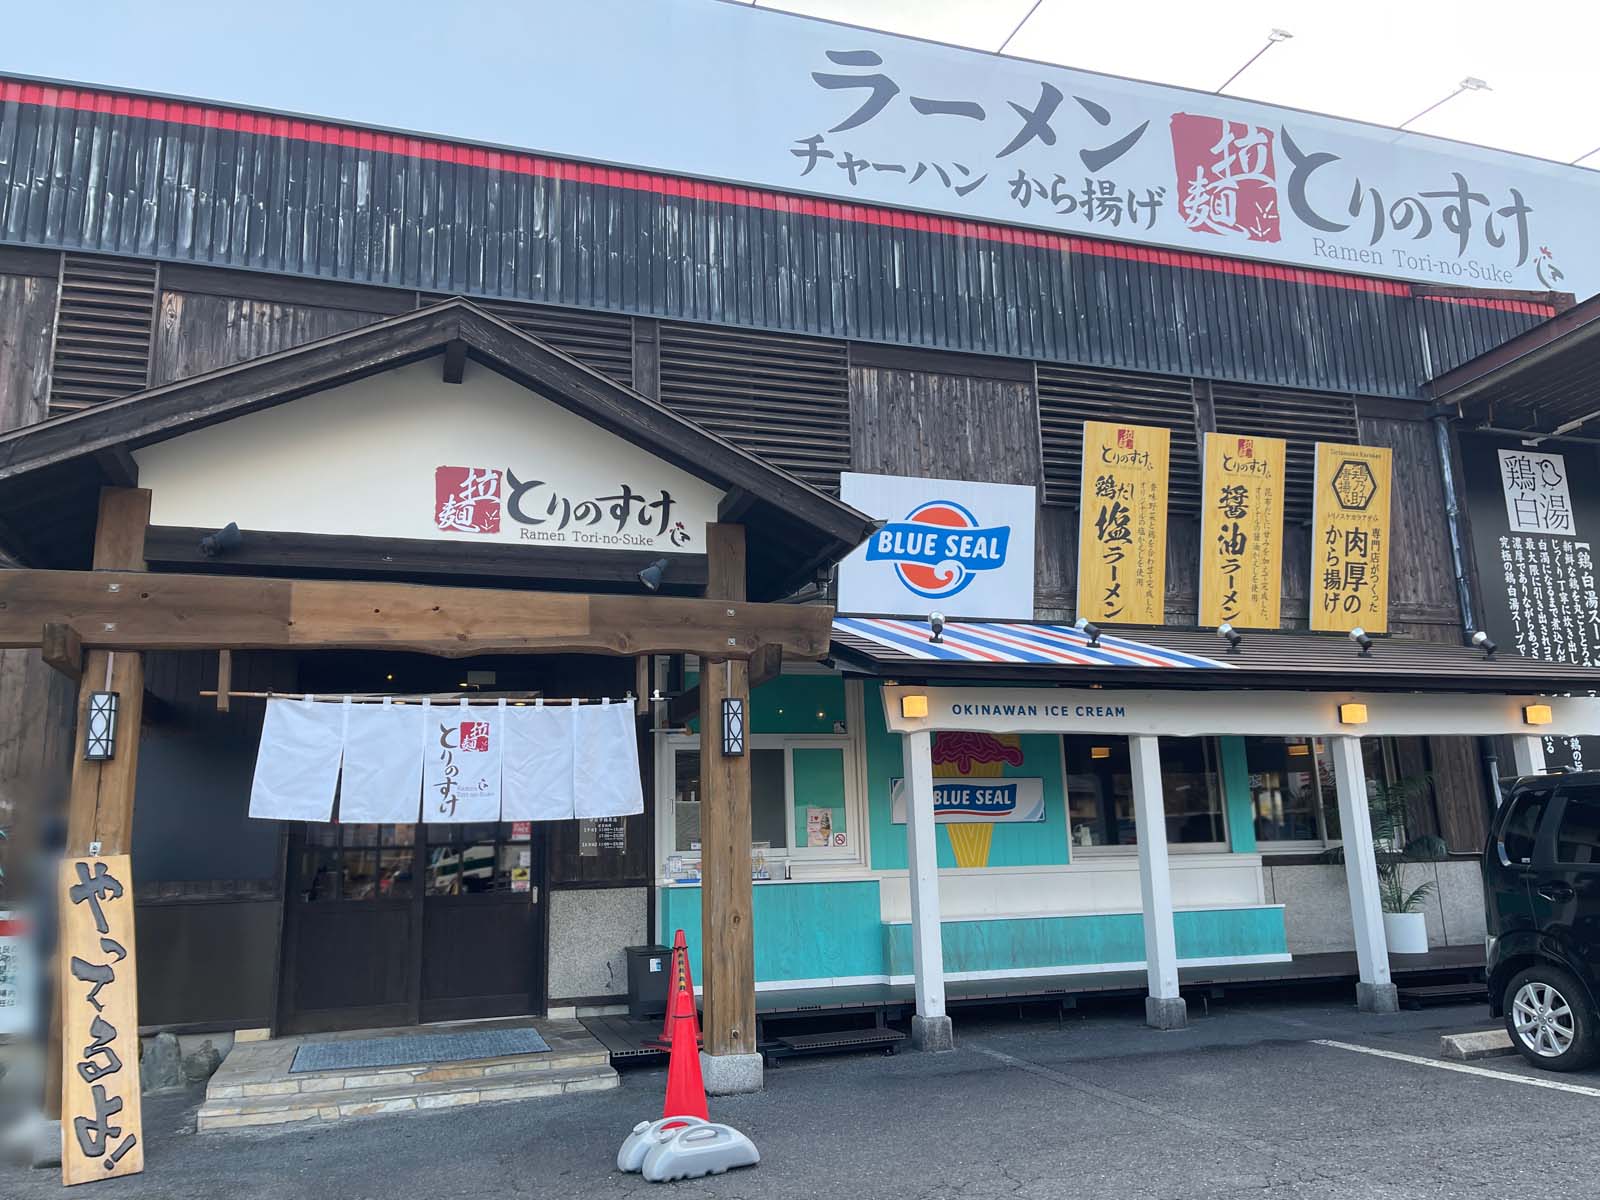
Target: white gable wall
<point>360,459</point>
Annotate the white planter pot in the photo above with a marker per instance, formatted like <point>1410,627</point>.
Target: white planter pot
<point>1406,933</point>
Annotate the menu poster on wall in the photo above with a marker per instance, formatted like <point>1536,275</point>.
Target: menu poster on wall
<point>1350,539</point>
<point>102,1134</point>
<point>18,991</point>
<point>1533,515</point>
<point>1122,523</point>
<point>1241,531</point>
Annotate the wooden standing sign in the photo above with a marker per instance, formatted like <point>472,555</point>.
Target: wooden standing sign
<point>102,1135</point>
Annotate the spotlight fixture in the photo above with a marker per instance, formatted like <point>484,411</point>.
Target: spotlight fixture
<point>936,623</point>
<point>1360,637</point>
<point>1089,630</point>
<point>1231,635</point>
<point>1485,643</point>
<point>222,541</point>
<point>651,575</point>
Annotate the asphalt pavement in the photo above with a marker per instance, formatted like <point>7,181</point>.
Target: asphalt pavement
<point>1269,1099</point>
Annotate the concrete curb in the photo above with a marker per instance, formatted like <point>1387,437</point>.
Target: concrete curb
<point>1465,1047</point>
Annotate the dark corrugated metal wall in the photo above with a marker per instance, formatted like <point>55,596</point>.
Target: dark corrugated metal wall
<point>179,190</point>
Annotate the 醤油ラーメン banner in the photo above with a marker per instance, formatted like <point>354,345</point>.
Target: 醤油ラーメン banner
<point>1534,516</point>
<point>1350,539</point>
<point>947,545</point>
<point>1241,531</point>
<point>1122,523</point>
<point>726,91</point>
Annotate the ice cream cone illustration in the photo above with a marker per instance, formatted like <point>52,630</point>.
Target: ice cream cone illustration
<point>973,756</point>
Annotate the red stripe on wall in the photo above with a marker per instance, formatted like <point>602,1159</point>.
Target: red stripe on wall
<point>178,112</point>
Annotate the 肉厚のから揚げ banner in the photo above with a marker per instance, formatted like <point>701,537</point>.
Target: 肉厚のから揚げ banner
<point>1350,539</point>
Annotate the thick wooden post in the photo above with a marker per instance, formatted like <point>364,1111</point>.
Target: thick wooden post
<point>727,945</point>
<point>100,804</point>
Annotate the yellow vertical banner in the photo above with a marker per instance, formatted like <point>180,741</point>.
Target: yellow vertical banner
<point>1122,523</point>
<point>1350,539</point>
<point>101,1117</point>
<point>1241,531</point>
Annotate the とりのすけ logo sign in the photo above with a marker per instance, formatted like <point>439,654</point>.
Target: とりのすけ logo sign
<point>1350,539</point>
<point>477,500</point>
<point>948,545</point>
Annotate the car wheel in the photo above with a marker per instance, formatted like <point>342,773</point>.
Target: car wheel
<point>1550,1019</point>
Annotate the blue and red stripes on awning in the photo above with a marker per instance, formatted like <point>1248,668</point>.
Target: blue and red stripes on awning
<point>1010,643</point>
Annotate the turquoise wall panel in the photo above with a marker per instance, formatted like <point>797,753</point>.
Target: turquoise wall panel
<point>1037,943</point>
<point>793,704</point>
<point>1236,795</point>
<point>818,783</point>
<point>802,930</point>
<point>1014,843</point>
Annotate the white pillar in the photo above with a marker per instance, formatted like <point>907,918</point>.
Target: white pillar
<point>930,1027</point>
<point>1375,992</point>
<point>1529,754</point>
<point>1163,1007</point>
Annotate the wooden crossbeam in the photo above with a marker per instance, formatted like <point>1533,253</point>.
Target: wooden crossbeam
<point>62,648</point>
<point>139,611</point>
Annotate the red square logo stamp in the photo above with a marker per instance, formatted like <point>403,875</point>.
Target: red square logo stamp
<point>475,737</point>
<point>466,499</point>
<point>1227,179</point>
<point>1247,447</point>
<point>1124,439</point>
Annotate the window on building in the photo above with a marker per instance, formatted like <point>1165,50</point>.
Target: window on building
<point>1100,792</point>
<point>1294,797</point>
<point>802,803</point>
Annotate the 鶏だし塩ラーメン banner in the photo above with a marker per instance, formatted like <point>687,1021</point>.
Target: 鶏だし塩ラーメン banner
<point>796,104</point>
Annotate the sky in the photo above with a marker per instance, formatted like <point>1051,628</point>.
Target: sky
<point>1375,60</point>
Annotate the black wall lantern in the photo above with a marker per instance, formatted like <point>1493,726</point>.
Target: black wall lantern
<point>732,726</point>
<point>100,731</point>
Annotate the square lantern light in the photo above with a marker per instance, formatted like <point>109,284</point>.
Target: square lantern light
<point>100,730</point>
<point>732,726</point>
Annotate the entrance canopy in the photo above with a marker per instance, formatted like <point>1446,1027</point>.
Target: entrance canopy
<point>1060,655</point>
<point>440,442</point>
<point>1540,384</point>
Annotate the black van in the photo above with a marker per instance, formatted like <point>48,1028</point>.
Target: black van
<point>1541,883</point>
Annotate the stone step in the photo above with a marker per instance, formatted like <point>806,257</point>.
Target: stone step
<point>411,1095</point>
<point>227,1087</point>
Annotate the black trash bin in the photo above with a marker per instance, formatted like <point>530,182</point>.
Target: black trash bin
<point>649,970</point>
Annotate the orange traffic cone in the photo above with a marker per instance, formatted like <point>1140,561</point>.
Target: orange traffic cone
<point>680,965</point>
<point>686,1090</point>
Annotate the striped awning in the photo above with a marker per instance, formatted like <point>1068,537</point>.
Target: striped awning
<point>1014,642</point>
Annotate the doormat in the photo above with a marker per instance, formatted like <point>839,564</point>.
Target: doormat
<point>406,1049</point>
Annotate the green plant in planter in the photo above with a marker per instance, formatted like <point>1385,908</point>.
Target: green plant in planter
<point>1388,804</point>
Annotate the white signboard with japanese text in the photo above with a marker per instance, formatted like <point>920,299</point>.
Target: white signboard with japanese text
<point>796,104</point>
<point>1537,496</point>
<point>947,545</point>
<point>18,986</point>
<point>1534,515</point>
<point>405,455</point>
